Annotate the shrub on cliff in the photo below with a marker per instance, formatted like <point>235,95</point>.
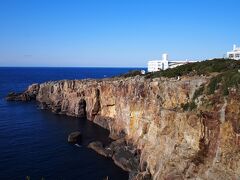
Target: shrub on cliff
<point>198,92</point>
<point>131,74</point>
<point>189,106</point>
<point>224,81</point>
<point>198,68</point>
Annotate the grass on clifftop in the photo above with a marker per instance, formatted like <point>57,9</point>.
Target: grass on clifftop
<point>198,68</point>
<point>228,77</point>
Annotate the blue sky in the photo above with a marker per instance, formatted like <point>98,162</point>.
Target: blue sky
<point>114,33</point>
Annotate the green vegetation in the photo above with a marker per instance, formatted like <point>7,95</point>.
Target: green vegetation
<point>224,81</point>
<point>228,75</point>
<point>198,68</point>
<point>131,74</point>
<point>198,92</point>
<point>213,85</point>
<point>189,106</point>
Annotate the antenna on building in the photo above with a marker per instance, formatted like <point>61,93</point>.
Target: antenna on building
<point>165,57</point>
<point>234,47</point>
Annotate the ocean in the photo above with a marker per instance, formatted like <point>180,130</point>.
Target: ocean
<point>33,142</point>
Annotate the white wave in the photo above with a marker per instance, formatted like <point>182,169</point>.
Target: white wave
<point>78,145</point>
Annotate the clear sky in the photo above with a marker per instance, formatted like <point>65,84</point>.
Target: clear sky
<point>122,33</point>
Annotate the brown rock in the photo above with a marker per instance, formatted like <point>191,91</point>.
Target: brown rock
<point>98,147</point>
<point>74,137</point>
<point>147,114</point>
<point>28,95</point>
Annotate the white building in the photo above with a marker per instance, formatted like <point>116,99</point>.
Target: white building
<point>157,65</point>
<point>234,54</point>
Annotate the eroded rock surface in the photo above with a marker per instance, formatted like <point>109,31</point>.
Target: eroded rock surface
<point>156,138</point>
<point>100,149</point>
<point>28,95</point>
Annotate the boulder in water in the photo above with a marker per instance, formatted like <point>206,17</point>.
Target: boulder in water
<point>74,137</point>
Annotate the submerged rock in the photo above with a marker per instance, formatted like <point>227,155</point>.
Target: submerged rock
<point>74,137</point>
<point>15,97</point>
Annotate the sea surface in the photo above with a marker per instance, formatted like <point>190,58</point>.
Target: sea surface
<point>33,142</point>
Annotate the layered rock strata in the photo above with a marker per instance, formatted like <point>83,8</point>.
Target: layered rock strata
<point>147,117</point>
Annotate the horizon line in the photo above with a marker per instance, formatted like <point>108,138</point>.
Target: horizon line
<point>69,67</point>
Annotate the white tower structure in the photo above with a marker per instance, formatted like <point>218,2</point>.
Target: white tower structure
<point>165,57</point>
<point>157,65</point>
<point>164,61</point>
<point>234,47</point>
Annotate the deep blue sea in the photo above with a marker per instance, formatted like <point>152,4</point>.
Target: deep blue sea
<point>33,142</point>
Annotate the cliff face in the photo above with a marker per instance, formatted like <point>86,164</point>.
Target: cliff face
<point>174,144</point>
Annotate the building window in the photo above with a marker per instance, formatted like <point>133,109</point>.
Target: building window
<point>237,55</point>
<point>231,55</point>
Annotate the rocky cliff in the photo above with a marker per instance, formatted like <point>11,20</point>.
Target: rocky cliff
<point>164,127</point>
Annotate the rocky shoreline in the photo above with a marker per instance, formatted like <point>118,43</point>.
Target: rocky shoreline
<point>125,155</point>
<point>155,135</point>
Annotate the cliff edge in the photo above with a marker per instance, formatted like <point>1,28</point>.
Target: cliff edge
<point>164,128</point>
